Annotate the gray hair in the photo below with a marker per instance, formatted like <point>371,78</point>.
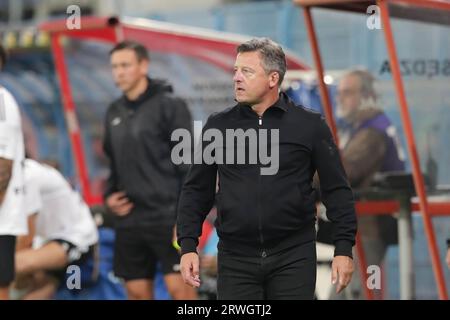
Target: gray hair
<point>273,58</point>
<point>366,79</point>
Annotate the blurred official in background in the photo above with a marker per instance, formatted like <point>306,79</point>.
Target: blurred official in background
<point>144,184</point>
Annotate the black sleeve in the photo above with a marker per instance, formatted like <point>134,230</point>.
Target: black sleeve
<point>111,182</point>
<point>337,195</point>
<point>196,200</point>
<point>178,116</point>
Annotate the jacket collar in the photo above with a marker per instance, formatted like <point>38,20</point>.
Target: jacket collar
<point>282,103</point>
<point>154,86</point>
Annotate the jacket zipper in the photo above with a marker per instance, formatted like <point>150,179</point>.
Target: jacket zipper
<point>261,237</point>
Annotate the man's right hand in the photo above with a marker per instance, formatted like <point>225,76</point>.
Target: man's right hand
<point>119,204</point>
<point>190,269</point>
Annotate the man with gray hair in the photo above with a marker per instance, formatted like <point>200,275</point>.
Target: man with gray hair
<point>369,145</point>
<point>266,222</point>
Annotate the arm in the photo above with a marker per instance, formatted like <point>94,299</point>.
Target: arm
<point>111,182</point>
<point>177,116</point>
<point>10,136</point>
<point>32,203</point>
<point>26,242</point>
<point>337,197</point>
<point>363,155</point>
<point>5,176</point>
<point>196,200</point>
<point>115,199</point>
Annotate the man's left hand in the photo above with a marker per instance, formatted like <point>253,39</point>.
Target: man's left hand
<point>341,272</point>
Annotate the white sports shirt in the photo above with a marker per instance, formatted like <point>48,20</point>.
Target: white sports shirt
<point>61,212</point>
<point>12,215</point>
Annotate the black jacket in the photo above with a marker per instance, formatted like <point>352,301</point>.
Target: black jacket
<point>263,214</point>
<point>138,145</point>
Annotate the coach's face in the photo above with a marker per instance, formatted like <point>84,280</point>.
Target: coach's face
<point>127,69</point>
<point>251,82</point>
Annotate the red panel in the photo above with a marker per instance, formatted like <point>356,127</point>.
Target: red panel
<point>87,23</point>
<point>376,207</point>
<point>392,206</point>
<point>106,34</point>
<point>71,119</point>
<point>432,4</point>
<point>324,96</point>
<point>219,52</point>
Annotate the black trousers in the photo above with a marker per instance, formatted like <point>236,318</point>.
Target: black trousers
<point>287,275</point>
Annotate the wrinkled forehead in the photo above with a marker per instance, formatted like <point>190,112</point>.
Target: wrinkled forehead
<point>250,59</point>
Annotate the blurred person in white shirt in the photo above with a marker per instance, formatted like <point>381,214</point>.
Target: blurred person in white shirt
<point>12,216</point>
<point>61,221</point>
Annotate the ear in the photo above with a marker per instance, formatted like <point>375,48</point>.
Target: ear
<point>274,77</point>
<point>143,66</point>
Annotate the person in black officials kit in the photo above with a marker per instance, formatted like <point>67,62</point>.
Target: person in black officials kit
<point>143,187</point>
<point>266,223</point>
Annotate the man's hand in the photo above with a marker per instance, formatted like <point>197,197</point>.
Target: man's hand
<point>119,204</point>
<point>341,272</point>
<point>190,269</point>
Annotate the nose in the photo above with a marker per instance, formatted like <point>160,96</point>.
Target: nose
<point>237,76</point>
